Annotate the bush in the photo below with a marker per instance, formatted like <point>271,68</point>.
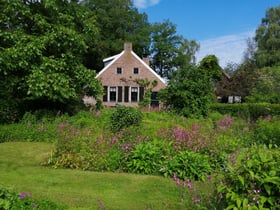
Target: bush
<point>187,165</point>
<point>12,200</point>
<point>252,181</point>
<point>123,117</point>
<point>247,111</point>
<point>145,159</point>
<point>267,131</point>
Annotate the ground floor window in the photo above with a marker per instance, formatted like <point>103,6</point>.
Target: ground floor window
<point>113,93</point>
<point>134,94</point>
<point>127,94</point>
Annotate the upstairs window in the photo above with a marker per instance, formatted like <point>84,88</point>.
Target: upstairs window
<point>135,71</point>
<point>119,70</point>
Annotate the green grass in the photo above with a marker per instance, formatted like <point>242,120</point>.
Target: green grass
<point>21,169</point>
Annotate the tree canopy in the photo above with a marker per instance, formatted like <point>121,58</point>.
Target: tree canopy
<point>42,49</point>
<point>268,39</point>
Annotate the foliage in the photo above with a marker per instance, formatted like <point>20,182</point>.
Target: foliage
<point>252,182</point>
<point>267,131</point>
<point>188,93</point>
<point>12,200</point>
<point>123,117</point>
<point>238,84</point>
<point>251,111</point>
<point>41,54</point>
<point>116,24</point>
<point>145,159</point>
<point>268,39</point>
<point>187,165</point>
<point>210,66</point>
<point>165,42</point>
<point>267,88</point>
<point>170,51</point>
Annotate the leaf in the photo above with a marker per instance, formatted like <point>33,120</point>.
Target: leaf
<point>245,202</point>
<point>241,179</point>
<point>238,202</point>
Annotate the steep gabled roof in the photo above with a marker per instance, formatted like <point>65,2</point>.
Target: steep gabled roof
<point>116,57</point>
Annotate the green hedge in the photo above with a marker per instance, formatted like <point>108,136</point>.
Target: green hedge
<point>251,111</point>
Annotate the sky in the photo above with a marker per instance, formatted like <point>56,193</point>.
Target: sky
<point>221,27</point>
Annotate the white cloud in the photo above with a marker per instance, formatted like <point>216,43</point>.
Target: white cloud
<point>228,49</point>
<point>142,4</point>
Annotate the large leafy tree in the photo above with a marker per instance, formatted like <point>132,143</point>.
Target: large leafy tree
<point>268,39</point>
<point>191,88</point>
<point>169,50</point>
<point>118,21</point>
<point>41,54</point>
<point>267,87</point>
<point>165,43</point>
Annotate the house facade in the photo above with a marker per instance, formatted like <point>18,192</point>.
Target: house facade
<point>120,75</point>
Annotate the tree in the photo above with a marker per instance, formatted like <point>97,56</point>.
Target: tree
<point>268,39</point>
<point>41,54</point>
<point>118,22</point>
<point>164,49</point>
<point>267,87</point>
<point>186,53</point>
<point>191,89</point>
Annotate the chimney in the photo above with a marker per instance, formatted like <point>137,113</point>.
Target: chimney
<point>146,59</point>
<point>128,46</point>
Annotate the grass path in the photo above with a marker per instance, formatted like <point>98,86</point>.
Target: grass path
<point>20,169</point>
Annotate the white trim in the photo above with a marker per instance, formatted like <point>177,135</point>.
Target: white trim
<point>110,58</point>
<point>115,57</point>
<point>148,67</point>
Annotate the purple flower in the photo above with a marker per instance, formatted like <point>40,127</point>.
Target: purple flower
<point>35,205</point>
<point>22,195</point>
<point>101,207</point>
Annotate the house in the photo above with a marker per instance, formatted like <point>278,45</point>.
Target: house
<point>120,75</point>
<point>224,92</point>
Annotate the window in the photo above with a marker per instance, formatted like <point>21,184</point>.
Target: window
<point>126,94</point>
<point>119,70</point>
<point>119,93</point>
<point>135,71</point>
<point>105,93</point>
<point>113,93</point>
<point>134,94</point>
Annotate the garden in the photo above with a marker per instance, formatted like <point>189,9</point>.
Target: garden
<point>125,158</point>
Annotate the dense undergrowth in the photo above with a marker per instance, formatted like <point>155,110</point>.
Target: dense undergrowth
<point>240,156</point>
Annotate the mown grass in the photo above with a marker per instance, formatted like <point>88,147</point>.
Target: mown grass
<point>21,169</point>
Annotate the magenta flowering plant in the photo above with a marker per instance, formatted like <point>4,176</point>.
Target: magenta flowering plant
<point>252,181</point>
<point>24,200</point>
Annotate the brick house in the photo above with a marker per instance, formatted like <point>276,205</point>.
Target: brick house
<point>119,77</point>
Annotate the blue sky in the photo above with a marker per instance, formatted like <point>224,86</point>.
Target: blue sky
<point>221,27</point>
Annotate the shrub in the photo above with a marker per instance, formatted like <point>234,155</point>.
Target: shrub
<point>267,131</point>
<point>251,111</point>
<point>187,165</point>
<point>123,117</point>
<point>252,181</point>
<point>145,158</point>
<point>12,200</point>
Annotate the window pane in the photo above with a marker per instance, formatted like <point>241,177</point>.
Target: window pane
<point>119,94</point>
<point>134,94</point>
<point>112,93</point>
<point>126,93</point>
<point>135,71</point>
<point>119,70</point>
<point>105,93</point>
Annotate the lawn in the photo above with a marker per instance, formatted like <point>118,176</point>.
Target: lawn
<point>21,169</point>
